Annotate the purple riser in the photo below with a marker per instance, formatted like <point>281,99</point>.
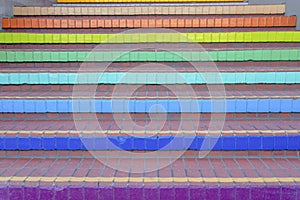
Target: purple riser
<point>150,193</point>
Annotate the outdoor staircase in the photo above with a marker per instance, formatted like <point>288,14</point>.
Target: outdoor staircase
<point>150,101</point>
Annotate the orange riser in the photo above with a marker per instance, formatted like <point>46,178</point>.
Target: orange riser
<point>272,21</point>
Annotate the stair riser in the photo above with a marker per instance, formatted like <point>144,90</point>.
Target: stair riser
<point>150,193</point>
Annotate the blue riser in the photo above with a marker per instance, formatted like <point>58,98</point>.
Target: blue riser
<point>142,106</point>
<point>229,143</point>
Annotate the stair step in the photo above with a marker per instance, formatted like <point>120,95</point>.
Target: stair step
<point>146,9</point>
<point>188,178</point>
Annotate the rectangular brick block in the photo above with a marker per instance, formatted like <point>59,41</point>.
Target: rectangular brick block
<point>247,22</point>
<point>232,22</point>
<point>56,23</point>
<point>276,21</point>
<point>30,11</point>
<point>225,22</point>
<point>144,23</point>
<point>262,22</point>
<point>78,23</point>
<point>44,11</point>
<point>28,23</point>
<point>71,23</point>
<point>100,23</point>
<point>35,23</point>
<point>85,23</point>
<point>239,22</point>
<point>292,21</point>
<point>180,23</point>
<point>114,22</point>
<point>159,23</point>
<point>188,23</point>
<point>18,11</point>
<point>57,11</point>
<point>151,23</point>
<point>42,23</point>
<point>202,23</point>
<point>130,23</point>
<point>93,23</point>
<point>284,21</point>
<point>166,23</point>
<point>64,23</point>
<point>122,23</point>
<point>269,22</point>
<point>5,23</point>
<point>254,21</point>
<point>210,23</point>
<point>218,22</point>
<point>195,23</point>
<point>50,23</point>
<point>173,22</point>
<point>108,23</point>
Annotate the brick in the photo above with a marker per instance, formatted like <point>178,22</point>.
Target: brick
<point>180,23</point>
<point>64,23</point>
<point>188,23</point>
<point>225,22</point>
<point>254,21</point>
<point>144,23</point>
<point>28,23</point>
<point>84,11</point>
<point>195,23</point>
<point>130,23</point>
<point>122,23</point>
<point>218,22</point>
<point>239,22</point>
<point>100,23</point>
<point>277,21</point>
<point>42,23</point>
<point>151,23</point>
<point>78,23</point>
<point>44,11</point>
<point>18,11</point>
<point>56,23</point>
<point>202,23</point>
<point>107,23</point>
<point>86,23</point>
<point>35,23</point>
<point>292,21</point>
<point>159,23</point>
<point>71,23</point>
<point>210,22</point>
<point>173,23</point>
<point>269,22</point>
<point>30,11</point>
<point>137,23</point>
<point>232,22</point>
<point>91,11</point>
<point>94,23</point>
<point>50,23</point>
<point>77,11</point>
<point>51,11</point>
<point>284,21</point>
<point>5,23</point>
<point>166,23</point>
<point>13,23</point>
<point>57,11</point>
<point>247,22</point>
<point>262,22</point>
<point>115,23</point>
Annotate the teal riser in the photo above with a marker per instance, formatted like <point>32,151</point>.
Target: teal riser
<point>151,78</point>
